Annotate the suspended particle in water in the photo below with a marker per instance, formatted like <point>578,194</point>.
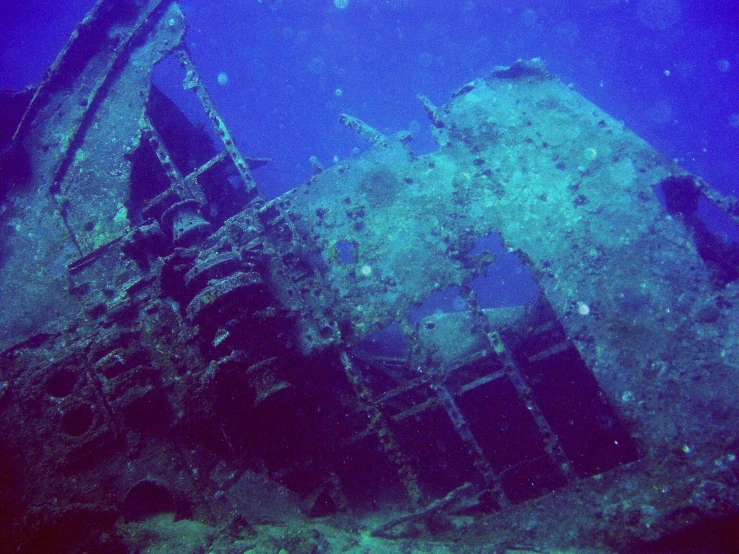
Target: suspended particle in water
<point>339,92</point>
<point>317,65</point>
<point>223,78</point>
<point>529,18</point>
<point>723,65</point>
<point>341,4</point>
<point>425,59</point>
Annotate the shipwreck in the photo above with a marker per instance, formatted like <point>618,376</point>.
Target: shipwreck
<point>172,342</point>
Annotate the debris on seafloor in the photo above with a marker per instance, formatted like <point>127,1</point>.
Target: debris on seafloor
<point>187,366</point>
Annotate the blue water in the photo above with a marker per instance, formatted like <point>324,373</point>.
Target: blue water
<point>668,68</point>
